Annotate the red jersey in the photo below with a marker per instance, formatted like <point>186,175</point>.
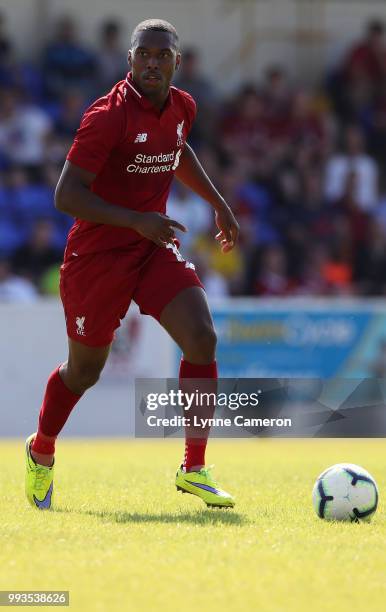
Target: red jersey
<point>134,151</point>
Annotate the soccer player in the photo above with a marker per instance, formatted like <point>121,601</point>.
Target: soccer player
<point>122,246</point>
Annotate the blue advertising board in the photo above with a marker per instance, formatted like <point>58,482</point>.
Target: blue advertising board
<point>301,338</point>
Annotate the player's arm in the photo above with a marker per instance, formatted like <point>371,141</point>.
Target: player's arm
<point>192,174</point>
<point>74,197</point>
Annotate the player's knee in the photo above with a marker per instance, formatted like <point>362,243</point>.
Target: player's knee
<point>85,375</point>
<point>203,343</point>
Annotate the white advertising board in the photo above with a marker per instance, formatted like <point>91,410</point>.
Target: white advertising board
<point>33,342</point>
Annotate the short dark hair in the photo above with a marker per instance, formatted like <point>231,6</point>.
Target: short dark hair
<point>156,25</point>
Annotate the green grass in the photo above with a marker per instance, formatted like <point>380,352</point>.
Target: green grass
<point>124,539</point>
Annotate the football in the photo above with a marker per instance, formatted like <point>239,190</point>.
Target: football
<point>345,492</point>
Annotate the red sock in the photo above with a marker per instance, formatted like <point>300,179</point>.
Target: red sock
<point>196,438</point>
<point>57,404</point>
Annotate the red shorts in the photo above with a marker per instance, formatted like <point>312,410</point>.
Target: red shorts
<point>96,289</point>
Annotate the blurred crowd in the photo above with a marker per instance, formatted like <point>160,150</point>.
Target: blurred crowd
<point>302,168</point>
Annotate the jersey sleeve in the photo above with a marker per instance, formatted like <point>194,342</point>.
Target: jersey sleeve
<point>101,129</point>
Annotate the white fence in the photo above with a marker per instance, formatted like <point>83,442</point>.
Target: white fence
<point>258,338</point>
<point>33,342</point>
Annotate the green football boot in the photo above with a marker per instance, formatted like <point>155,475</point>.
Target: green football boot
<point>39,479</point>
<point>203,485</point>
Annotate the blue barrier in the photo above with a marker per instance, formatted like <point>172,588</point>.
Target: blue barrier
<point>301,338</point>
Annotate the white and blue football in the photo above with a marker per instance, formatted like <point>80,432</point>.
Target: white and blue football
<point>345,492</point>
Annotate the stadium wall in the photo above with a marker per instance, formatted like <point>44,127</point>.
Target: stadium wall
<point>257,338</point>
<point>306,37</point>
<point>33,342</point>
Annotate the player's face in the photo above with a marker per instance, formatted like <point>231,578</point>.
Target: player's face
<point>153,60</point>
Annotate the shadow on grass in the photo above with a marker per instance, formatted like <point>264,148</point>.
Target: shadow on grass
<point>201,517</point>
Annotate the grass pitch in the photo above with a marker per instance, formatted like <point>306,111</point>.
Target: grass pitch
<point>122,538</point>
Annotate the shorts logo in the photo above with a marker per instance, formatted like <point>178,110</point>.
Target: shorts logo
<point>80,325</point>
<point>173,247</point>
<point>141,137</point>
<point>180,136</point>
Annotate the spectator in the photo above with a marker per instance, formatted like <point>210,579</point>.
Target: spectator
<point>354,159</point>
<point>67,63</point>
<point>233,179</point>
<point>367,59</point>
<point>215,283</point>
<point>337,272</point>
<point>190,79</point>
<point>63,222</point>
<point>6,53</point>
<point>38,254</point>
<point>348,207</point>
<point>5,43</point>
<point>303,217</point>
<point>231,267</point>
<point>376,124</point>
<point>24,132</point>
<point>272,278</point>
<point>16,73</point>
<point>243,130</point>
<point>26,201</point>
<point>71,108</point>
<point>355,83</point>
<point>306,125</point>
<point>252,203</point>
<point>370,262</point>
<point>326,271</point>
<point>67,118</point>
<point>278,102</point>
<point>190,210</point>
<point>14,289</point>
<point>112,58</point>
<point>380,212</point>
<point>11,234</point>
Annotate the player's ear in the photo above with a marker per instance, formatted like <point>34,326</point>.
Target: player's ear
<point>129,57</point>
<point>178,60</point>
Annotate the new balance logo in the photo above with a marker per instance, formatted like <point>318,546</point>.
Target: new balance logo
<point>80,325</point>
<point>141,137</point>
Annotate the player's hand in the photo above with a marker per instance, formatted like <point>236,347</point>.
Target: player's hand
<point>157,227</point>
<point>229,229</point>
